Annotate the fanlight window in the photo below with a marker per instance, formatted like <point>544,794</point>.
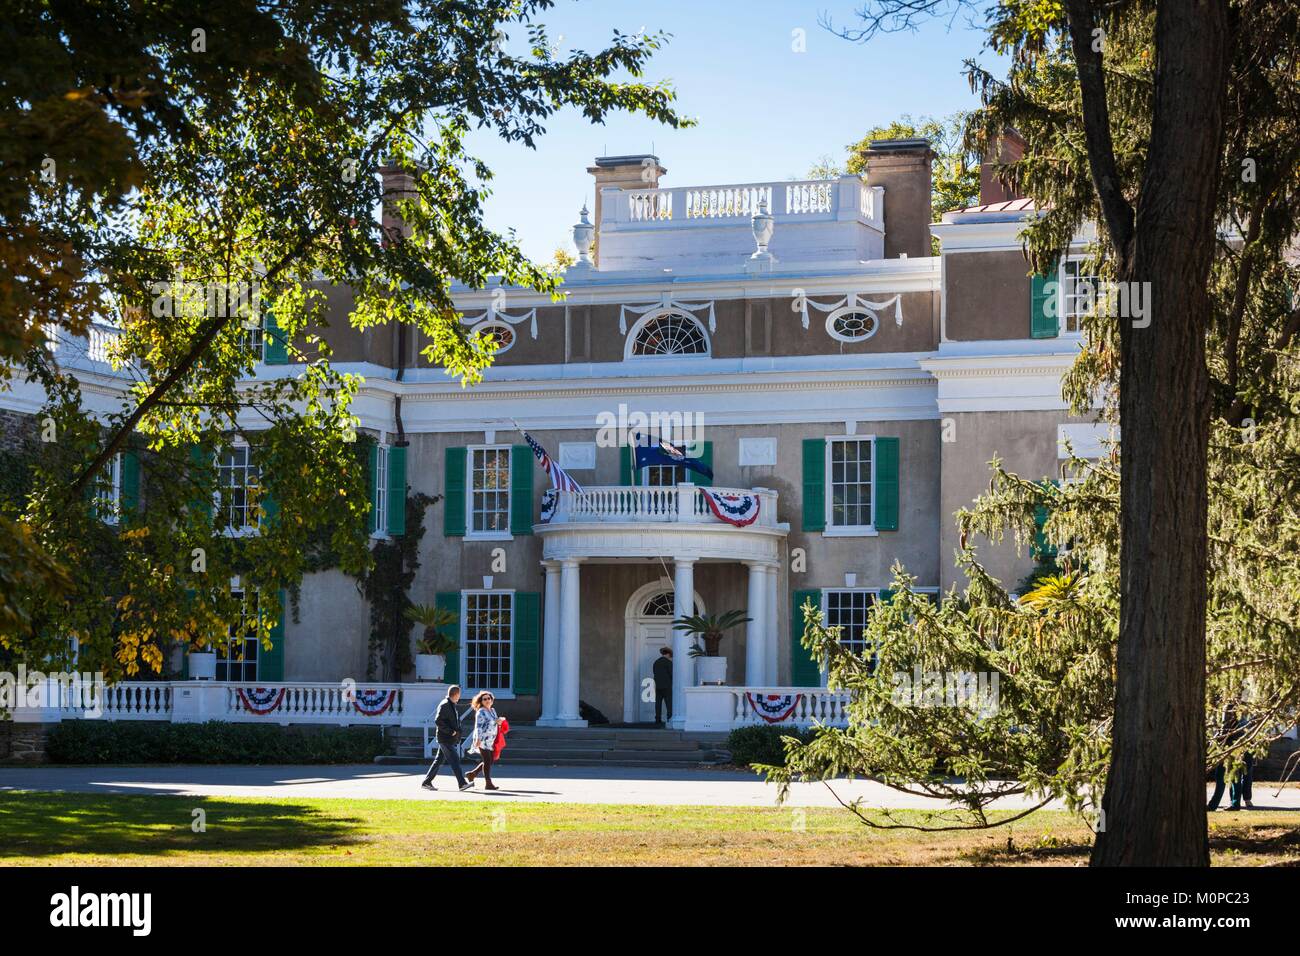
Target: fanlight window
<point>661,605</point>
<point>504,334</point>
<point>851,325</point>
<point>671,334</point>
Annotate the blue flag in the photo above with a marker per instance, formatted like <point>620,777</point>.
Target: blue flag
<point>659,452</point>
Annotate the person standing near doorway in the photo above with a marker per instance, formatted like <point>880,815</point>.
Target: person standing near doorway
<point>663,675</point>
<point>446,724</point>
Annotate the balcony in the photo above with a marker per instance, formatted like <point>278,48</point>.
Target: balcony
<point>704,228</point>
<point>630,522</point>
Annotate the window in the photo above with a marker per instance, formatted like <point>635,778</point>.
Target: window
<point>489,499</point>
<point>380,503</point>
<point>851,325</point>
<point>504,334</point>
<point>661,605</point>
<point>108,491</point>
<point>659,475</point>
<point>237,657</point>
<point>847,609</point>
<point>1078,295</point>
<point>250,338</point>
<point>488,637</point>
<point>237,490</point>
<point>850,476</point>
<point>669,333</point>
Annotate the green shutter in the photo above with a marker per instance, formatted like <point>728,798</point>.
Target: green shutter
<point>706,456</point>
<point>270,664</point>
<point>275,350</point>
<point>450,601</point>
<point>1041,549</point>
<point>625,476</point>
<point>130,491</point>
<point>528,627</point>
<point>201,473</point>
<point>397,489</point>
<point>886,595</point>
<point>804,671</point>
<point>886,484</point>
<point>814,484</point>
<point>1043,320</point>
<point>270,507</point>
<point>521,489</point>
<point>372,486</point>
<point>453,505</point>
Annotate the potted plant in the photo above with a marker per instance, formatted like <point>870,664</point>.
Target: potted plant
<point>202,661</point>
<point>710,665</point>
<point>432,649</point>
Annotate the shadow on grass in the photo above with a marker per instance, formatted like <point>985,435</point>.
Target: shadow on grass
<point>1262,843</point>
<point>48,824</point>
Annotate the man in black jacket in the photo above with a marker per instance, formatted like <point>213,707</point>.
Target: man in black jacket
<point>663,674</point>
<point>446,725</point>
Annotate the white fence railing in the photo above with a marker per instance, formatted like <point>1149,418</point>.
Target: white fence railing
<point>726,708</point>
<point>654,504</point>
<point>294,702</point>
<point>846,197</point>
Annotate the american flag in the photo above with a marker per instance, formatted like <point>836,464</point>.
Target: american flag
<point>560,479</point>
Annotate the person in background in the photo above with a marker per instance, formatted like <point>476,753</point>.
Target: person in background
<point>446,724</point>
<point>663,675</point>
<point>484,740</point>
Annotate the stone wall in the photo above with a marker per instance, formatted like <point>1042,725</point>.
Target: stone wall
<point>22,743</point>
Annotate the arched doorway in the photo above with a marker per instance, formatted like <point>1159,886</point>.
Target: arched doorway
<point>649,626</point>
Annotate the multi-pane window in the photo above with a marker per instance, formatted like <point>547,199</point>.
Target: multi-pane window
<point>237,658</point>
<point>237,489</point>
<point>108,491</point>
<point>847,609</point>
<point>1079,294</point>
<point>381,490</point>
<point>670,334</point>
<point>488,633</point>
<point>489,499</point>
<point>658,475</point>
<point>250,338</point>
<point>850,477</point>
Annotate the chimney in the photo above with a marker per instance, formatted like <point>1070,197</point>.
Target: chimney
<point>639,171</point>
<point>1008,148</point>
<point>902,167</point>
<point>398,184</point>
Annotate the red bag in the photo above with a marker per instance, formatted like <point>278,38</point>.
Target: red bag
<point>503,727</point>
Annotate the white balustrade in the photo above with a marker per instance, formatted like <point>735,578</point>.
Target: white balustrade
<point>801,198</point>
<point>138,700</point>
<point>314,703</point>
<point>726,708</point>
<point>652,504</point>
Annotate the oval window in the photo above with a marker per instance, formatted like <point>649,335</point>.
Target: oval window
<point>504,334</point>
<point>851,325</point>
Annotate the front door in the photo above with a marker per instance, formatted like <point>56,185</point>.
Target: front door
<point>651,634</point>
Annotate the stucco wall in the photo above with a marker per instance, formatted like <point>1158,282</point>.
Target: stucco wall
<point>987,296</point>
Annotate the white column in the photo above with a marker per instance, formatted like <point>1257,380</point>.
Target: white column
<point>756,629</point>
<point>551,644</point>
<point>570,618</point>
<point>771,662</point>
<point>683,663</point>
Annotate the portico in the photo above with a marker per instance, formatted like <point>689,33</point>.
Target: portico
<point>672,529</point>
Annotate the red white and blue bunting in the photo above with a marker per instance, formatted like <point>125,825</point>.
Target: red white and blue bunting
<point>260,700</point>
<point>737,509</point>
<point>549,500</point>
<point>372,703</point>
<point>773,708</point>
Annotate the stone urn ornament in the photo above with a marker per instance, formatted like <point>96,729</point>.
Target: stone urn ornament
<point>584,234</point>
<point>763,225</point>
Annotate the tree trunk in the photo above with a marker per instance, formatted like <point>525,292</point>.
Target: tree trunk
<point>1154,806</point>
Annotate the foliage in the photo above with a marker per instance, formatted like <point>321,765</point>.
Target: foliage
<point>956,181</point>
<point>435,619</point>
<point>710,629</point>
<point>386,586</point>
<point>763,745</point>
<point>215,742</point>
<point>253,162</point>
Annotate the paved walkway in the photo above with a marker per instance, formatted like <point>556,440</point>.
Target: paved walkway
<point>531,784</point>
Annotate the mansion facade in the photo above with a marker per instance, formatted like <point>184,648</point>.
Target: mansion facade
<point>845,385</point>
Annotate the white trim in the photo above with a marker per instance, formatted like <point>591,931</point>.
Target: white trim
<point>381,491</point>
<point>470,533</point>
<point>629,344</point>
<point>848,531</point>
<point>847,310</point>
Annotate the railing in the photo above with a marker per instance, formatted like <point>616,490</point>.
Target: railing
<point>726,708</point>
<point>824,198</point>
<point>654,504</point>
<point>310,703</point>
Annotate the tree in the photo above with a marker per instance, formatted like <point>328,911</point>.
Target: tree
<point>243,151</point>
<point>1160,89</point>
<point>956,167</point>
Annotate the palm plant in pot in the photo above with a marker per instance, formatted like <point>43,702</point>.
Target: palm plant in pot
<point>709,629</point>
<point>432,648</point>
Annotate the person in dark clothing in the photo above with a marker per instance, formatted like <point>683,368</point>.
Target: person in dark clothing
<point>663,674</point>
<point>1233,730</point>
<point>446,723</point>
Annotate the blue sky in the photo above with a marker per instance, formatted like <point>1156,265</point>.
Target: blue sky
<point>765,112</point>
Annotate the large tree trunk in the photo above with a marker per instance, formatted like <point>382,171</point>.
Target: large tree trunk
<point>1154,806</point>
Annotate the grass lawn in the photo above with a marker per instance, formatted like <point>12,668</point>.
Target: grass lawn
<point>98,830</point>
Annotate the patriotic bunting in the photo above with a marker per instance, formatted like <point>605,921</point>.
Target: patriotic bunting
<point>372,703</point>
<point>737,509</point>
<point>260,700</point>
<point>773,708</point>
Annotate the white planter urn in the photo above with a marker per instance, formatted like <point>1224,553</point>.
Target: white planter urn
<point>430,667</point>
<point>762,225</point>
<point>711,670</point>
<point>203,665</point>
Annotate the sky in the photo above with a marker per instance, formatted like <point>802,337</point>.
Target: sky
<point>765,111</point>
